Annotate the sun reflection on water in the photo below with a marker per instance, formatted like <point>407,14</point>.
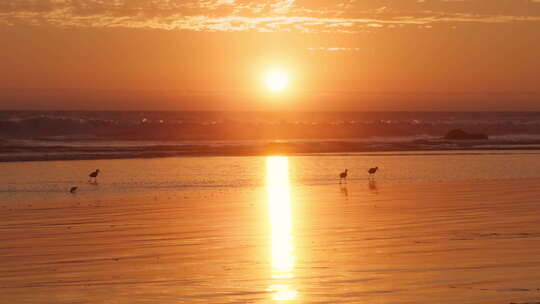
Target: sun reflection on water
<point>280,215</point>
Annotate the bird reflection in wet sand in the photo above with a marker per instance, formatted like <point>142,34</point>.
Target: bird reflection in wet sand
<point>344,190</point>
<point>373,186</point>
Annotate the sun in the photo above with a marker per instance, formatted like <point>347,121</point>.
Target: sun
<point>276,81</point>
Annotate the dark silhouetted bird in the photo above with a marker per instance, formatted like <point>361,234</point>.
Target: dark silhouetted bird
<point>373,170</point>
<point>73,189</point>
<point>94,175</point>
<point>343,175</point>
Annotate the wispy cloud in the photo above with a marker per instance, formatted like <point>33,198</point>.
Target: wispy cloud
<point>348,16</point>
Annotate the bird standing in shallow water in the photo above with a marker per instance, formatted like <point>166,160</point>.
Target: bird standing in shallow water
<point>343,176</point>
<point>373,171</point>
<point>94,176</point>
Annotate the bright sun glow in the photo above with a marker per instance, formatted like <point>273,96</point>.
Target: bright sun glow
<point>276,81</point>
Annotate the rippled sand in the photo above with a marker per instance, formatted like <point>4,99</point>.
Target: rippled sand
<point>364,242</point>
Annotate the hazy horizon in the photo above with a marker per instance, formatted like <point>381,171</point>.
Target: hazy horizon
<point>173,100</point>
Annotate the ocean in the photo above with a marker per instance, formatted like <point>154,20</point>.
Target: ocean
<point>34,136</point>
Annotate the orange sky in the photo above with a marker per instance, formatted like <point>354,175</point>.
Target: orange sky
<point>212,54</point>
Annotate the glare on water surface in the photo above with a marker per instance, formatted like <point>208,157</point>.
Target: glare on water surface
<point>280,217</point>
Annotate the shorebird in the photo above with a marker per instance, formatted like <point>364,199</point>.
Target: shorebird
<point>373,170</point>
<point>343,175</point>
<point>93,175</point>
<point>73,189</point>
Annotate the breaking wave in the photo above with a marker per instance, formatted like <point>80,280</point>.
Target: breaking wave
<point>93,135</point>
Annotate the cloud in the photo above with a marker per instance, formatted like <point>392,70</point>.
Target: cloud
<point>347,16</point>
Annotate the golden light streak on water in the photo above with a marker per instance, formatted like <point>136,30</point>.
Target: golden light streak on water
<point>280,215</point>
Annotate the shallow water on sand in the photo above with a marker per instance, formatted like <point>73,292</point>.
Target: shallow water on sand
<point>290,236</point>
<point>28,181</point>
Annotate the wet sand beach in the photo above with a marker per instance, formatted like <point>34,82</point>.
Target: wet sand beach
<point>360,242</point>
